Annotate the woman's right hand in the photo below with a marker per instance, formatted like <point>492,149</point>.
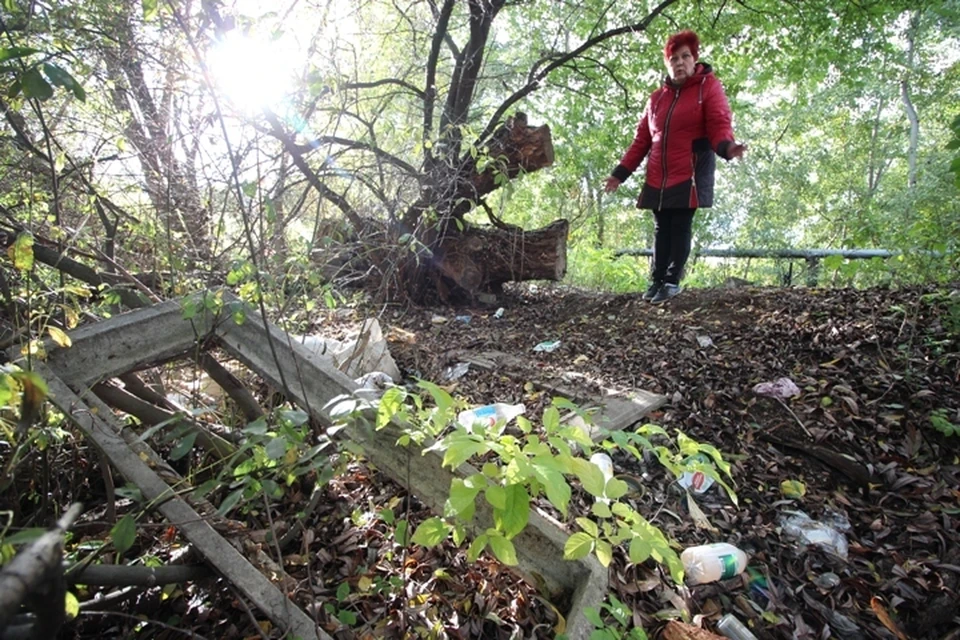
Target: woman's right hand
<point>611,185</point>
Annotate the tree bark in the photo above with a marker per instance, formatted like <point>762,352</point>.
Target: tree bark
<point>474,263</point>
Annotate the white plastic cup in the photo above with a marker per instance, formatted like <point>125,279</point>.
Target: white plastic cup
<point>712,562</point>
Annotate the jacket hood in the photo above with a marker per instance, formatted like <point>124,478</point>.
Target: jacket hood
<point>702,70</point>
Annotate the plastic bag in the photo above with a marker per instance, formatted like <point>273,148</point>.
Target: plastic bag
<point>797,525</point>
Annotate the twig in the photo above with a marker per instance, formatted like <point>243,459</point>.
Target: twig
<point>243,603</point>
<point>790,411</point>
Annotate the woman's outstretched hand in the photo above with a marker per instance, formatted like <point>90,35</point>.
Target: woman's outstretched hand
<point>736,150</point>
<point>611,185</point>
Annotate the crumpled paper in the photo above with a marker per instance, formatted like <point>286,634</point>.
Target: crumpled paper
<point>781,388</point>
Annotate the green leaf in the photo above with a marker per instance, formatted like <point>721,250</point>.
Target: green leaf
<point>276,448</point>
<point>639,550</point>
<point>256,428</point>
<point>431,532</point>
<point>150,8</point>
<point>461,450</point>
<point>620,611</point>
<point>593,617</point>
<point>604,552</point>
<point>124,533</point>
<point>21,252</point>
<point>35,85</point>
<point>25,536</point>
<point>589,526</point>
<point>343,590</point>
<point>557,488</point>
<point>347,617</point>
<point>601,510</point>
<point>230,502</point>
<point>59,77</point>
<point>391,404</point>
<point>462,500</point>
<point>477,547</point>
<point>71,605</point>
<point>504,550</point>
<point>516,514</point>
<point>616,488</point>
<point>12,53</point>
<point>401,532</point>
<point>578,546</point>
<point>590,476</point>
<point>496,496</point>
<point>184,446</point>
<point>551,419</point>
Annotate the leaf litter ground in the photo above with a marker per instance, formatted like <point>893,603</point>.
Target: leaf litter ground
<point>876,369</point>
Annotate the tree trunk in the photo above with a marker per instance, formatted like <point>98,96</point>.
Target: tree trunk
<point>472,265</point>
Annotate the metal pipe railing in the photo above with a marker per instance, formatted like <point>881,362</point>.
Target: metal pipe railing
<point>811,256</point>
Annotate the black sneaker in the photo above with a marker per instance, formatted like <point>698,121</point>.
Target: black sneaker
<point>652,290</point>
<point>666,292</point>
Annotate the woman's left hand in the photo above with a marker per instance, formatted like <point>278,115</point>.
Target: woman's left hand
<point>736,150</point>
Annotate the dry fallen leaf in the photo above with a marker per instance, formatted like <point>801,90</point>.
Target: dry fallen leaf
<point>682,631</point>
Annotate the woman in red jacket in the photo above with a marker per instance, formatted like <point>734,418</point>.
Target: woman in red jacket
<point>686,121</point>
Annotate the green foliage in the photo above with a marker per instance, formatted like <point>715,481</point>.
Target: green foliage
<point>124,534</point>
<point>36,78</point>
<point>613,621</point>
<point>277,451</point>
<point>954,145</point>
<point>522,464</point>
<point>939,420</point>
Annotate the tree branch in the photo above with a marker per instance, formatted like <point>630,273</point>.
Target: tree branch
<point>301,163</point>
<point>430,95</point>
<point>534,80</point>
<point>363,146</point>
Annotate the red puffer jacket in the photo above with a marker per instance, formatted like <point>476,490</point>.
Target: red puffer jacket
<point>681,129</point>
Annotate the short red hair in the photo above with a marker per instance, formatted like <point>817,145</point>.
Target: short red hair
<point>678,40</point>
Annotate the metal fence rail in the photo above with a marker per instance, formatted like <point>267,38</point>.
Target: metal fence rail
<point>811,256</point>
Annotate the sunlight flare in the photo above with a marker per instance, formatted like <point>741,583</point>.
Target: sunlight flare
<point>252,72</point>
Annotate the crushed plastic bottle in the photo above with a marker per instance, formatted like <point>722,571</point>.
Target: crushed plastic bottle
<point>548,346</point>
<point>797,525</point>
<point>490,414</point>
<point>712,562</point>
<point>456,371</point>
<point>730,627</point>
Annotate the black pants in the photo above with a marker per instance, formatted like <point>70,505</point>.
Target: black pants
<point>671,246</point>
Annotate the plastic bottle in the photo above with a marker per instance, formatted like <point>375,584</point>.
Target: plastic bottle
<point>732,628</point>
<point>490,414</point>
<point>712,562</point>
<point>605,463</point>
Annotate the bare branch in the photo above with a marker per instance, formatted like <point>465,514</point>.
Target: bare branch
<point>354,144</point>
<point>379,83</point>
<point>429,98</point>
<point>534,81</point>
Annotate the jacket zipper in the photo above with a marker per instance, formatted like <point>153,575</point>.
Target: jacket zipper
<point>663,146</point>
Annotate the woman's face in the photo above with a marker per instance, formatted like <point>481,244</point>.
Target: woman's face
<point>680,64</point>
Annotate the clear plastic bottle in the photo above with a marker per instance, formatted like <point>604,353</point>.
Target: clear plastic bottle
<point>732,628</point>
<point>712,562</point>
<point>490,414</point>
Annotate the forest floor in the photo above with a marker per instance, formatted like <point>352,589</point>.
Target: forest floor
<point>875,370</point>
<point>878,375</point>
